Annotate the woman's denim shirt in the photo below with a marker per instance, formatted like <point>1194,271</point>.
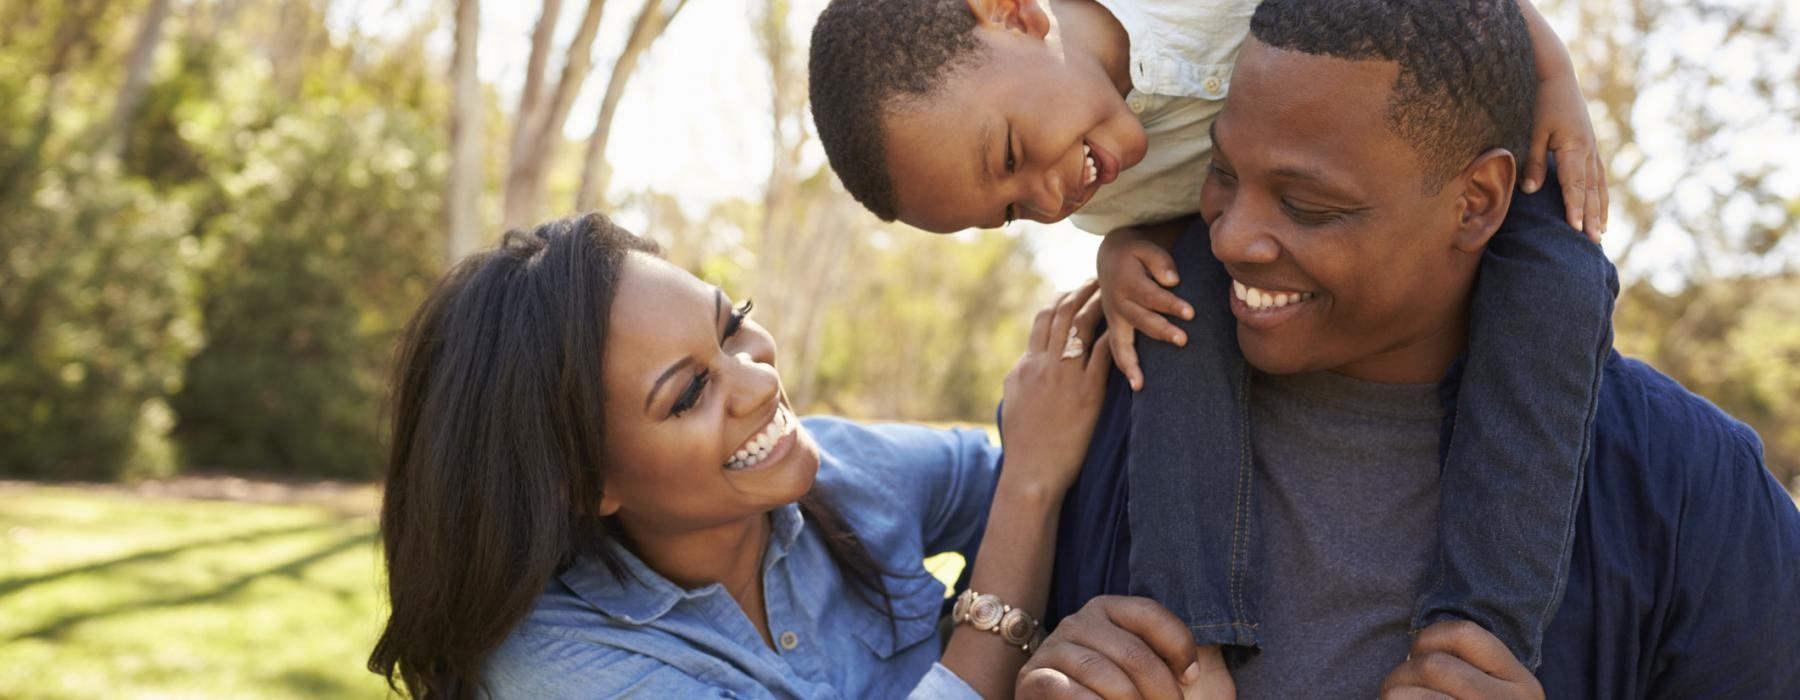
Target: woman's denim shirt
<point>906,491</point>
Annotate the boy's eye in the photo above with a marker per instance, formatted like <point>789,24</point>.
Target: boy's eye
<point>1011,163</point>
<point>1222,173</point>
<point>1009,215</point>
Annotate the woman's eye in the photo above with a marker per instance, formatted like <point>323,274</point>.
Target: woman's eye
<point>736,322</point>
<point>690,397</point>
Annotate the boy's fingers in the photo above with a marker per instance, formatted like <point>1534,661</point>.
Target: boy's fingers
<point>1153,324</point>
<point>1159,264</point>
<point>1102,356</point>
<point>1163,301</point>
<point>1534,163</point>
<point>1575,185</point>
<point>1605,196</point>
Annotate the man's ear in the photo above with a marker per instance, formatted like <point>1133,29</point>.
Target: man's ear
<point>1487,187</point>
<point>1030,17</point>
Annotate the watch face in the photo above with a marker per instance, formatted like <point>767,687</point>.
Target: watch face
<point>985,612</point>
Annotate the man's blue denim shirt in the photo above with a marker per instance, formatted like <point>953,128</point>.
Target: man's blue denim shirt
<point>1685,577</point>
<point>906,491</point>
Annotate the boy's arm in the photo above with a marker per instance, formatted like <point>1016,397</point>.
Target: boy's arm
<point>1561,125</point>
<point>1135,272</point>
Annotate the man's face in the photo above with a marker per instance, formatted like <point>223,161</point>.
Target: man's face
<point>1315,206</point>
<point>1011,134</point>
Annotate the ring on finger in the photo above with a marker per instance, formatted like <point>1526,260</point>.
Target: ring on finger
<point>1073,347</point>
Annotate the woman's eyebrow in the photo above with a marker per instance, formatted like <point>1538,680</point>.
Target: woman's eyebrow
<point>718,308</point>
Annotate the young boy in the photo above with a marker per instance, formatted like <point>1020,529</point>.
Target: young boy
<point>950,114</point>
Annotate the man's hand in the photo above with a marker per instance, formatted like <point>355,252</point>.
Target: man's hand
<point>1123,647</point>
<point>1134,272</point>
<point>1463,661</point>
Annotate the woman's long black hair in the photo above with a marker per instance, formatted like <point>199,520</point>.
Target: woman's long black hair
<point>495,473</point>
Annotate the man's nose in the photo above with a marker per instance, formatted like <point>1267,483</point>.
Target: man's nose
<point>1240,236</point>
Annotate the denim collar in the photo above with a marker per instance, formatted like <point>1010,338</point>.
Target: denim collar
<point>644,595</point>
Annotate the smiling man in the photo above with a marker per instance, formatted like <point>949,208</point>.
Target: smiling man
<point>1351,218</point>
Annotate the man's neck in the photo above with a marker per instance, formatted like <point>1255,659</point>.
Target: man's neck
<point>1090,30</point>
<point>1420,361</point>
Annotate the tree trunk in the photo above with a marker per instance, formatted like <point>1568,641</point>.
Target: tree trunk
<point>137,76</point>
<point>462,203</point>
<point>525,176</point>
<point>531,98</point>
<point>596,174</point>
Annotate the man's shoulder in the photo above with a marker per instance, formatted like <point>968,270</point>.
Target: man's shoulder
<point>1650,416</point>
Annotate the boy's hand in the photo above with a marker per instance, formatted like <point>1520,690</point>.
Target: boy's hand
<point>1135,273</point>
<point>1563,126</point>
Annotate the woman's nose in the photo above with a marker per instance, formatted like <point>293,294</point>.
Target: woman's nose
<point>754,385</point>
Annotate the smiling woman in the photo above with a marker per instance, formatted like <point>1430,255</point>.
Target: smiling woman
<point>597,487</point>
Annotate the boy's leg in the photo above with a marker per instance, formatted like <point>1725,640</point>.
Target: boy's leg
<point>1540,331</point>
<point>1189,471</point>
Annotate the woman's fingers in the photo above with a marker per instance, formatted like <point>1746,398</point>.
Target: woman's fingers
<point>1040,326</point>
<point>1064,320</point>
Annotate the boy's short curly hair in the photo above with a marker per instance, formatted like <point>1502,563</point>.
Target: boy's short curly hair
<point>869,55</point>
<point>1467,79</point>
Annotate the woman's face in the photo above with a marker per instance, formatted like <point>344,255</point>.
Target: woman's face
<point>698,430</point>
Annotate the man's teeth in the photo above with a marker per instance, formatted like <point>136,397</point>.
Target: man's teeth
<point>1092,172</point>
<point>1261,299</point>
<point>757,448</point>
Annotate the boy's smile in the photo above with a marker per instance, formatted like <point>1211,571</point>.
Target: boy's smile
<point>1031,131</point>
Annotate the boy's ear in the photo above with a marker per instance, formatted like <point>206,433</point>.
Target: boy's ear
<point>1486,196</point>
<point>1030,17</point>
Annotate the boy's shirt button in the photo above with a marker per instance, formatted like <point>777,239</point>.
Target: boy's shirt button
<point>1213,85</point>
<point>1136,104</point>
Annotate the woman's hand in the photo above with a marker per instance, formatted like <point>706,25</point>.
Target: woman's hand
<point>1053,394</point>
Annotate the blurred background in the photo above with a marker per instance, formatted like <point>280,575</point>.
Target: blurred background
<point>216,214</point>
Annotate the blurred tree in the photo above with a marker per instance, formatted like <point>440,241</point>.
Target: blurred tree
<point>539,124</point>
<point>462,201</point>
<point>1679,93</point>
<point>652,19</point>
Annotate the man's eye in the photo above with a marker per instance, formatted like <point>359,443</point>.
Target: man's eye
<point>1310,217</point>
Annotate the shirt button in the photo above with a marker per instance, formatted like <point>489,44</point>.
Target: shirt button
<point>1213,84</point>
<point>1136,104</point>
<point>789,640</point>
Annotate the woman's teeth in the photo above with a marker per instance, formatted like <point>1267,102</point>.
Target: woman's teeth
<point>1260,299</point>
<point>1092,172</point>
<point>757,448</point>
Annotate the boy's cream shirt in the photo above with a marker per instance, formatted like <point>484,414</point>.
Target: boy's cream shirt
<point>1182,53</point>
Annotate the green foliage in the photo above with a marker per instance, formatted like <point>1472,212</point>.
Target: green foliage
<point>930,327</point>
<point>97,323</point>
<point>331,240</point>
<point>236,270</point>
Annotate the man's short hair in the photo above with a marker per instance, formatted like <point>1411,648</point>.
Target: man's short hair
<point>1467,80</point>
<point>867,55</point>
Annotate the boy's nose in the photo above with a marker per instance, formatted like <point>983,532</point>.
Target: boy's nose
<point>1047,197</point>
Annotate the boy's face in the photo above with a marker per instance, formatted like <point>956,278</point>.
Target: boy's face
<point>1311,193</point>
<point>1010,137</point>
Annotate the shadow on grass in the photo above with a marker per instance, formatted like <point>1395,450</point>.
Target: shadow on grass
<point>10,585</point>
<point>292,569</point>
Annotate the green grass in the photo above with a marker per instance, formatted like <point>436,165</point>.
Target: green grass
<point>104,593</point>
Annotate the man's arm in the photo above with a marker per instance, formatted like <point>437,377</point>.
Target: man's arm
<point>1734,628</point>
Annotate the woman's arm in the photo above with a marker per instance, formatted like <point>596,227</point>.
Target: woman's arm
<point>1048,415</point>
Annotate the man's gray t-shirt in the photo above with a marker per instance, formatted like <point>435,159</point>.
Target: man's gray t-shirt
<point>1347,491</point>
